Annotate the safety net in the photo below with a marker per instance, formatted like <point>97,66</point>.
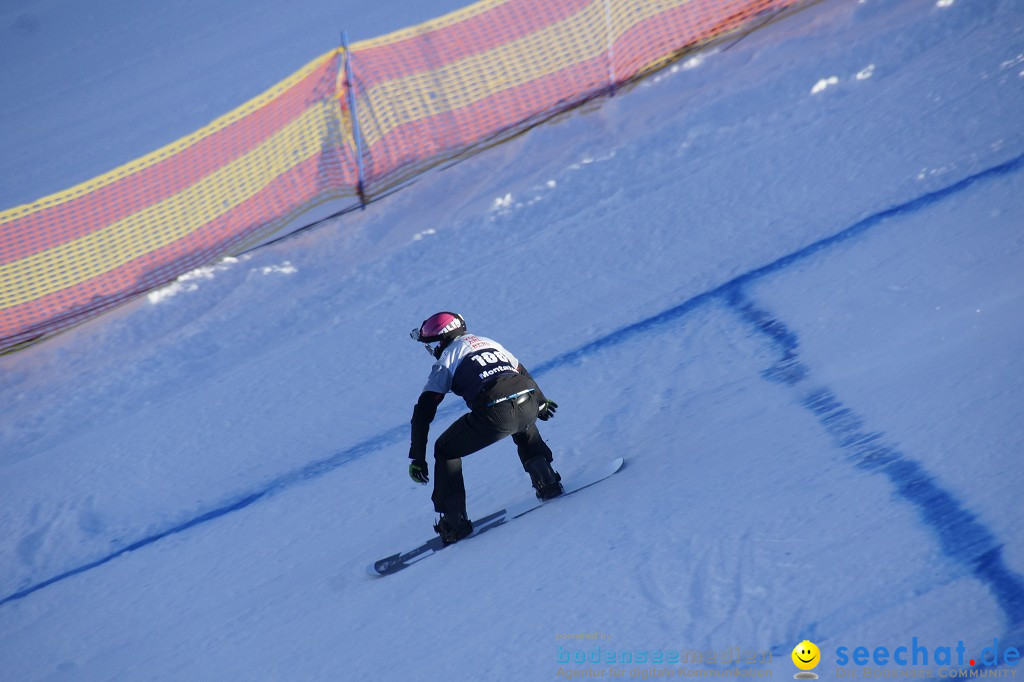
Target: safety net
<point>348,127</point>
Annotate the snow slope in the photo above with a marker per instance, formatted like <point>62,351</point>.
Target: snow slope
<point>781,278</point>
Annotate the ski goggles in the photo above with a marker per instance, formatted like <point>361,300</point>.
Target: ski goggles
<point>431,346</point>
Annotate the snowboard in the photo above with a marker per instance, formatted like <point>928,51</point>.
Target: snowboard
<point>397,562</point>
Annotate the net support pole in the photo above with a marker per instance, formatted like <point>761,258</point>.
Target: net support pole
<point>610,49</point>
<point>350,95</point>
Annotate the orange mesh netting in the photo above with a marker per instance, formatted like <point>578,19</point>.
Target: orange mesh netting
<point>421,96</point>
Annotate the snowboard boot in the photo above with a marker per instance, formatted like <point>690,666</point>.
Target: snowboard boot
<point>546,480</point>
<point>453,527</point>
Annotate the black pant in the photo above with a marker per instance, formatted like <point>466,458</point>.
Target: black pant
<point>475,431</point>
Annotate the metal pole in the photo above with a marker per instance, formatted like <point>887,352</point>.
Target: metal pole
<point>610,49</point>
<point>351,96</point>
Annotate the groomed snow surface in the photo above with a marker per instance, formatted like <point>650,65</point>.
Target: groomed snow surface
<point>781,278</point>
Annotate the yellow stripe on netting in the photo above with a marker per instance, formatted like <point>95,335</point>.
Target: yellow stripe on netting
<point>239,112</point>
<point>169,150</point>
<point>440,22</point>
<point>577,38</point>
<point>163,223</point>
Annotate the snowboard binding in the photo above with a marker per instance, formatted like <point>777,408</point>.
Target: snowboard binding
<point>453,527</point>
<point>546,481</point>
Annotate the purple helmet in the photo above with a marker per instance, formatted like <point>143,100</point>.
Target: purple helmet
<point>439,330</point>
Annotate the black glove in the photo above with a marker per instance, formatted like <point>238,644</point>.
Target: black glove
<point>547,410</point>
<point>418,471</point>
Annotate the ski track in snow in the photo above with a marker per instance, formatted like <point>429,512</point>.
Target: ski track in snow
<point>962,538</point>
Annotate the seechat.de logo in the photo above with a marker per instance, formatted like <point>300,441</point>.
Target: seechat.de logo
<point>916,654</point>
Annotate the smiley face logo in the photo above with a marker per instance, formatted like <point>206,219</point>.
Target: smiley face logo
<point>806,655</point>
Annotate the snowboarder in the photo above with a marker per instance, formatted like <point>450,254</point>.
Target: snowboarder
<point>503,399</point>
